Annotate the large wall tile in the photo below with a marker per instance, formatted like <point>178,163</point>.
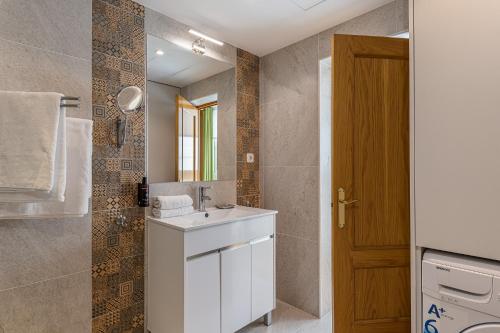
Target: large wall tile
<point>59,305</point>
<point>291,72</point>
<point>58,25</point>
<point>293,192</point>
<point>26,68</point>
<point>297,269</point>
<point>45,283</point>
<point>37,250</point>
<point>383,21</point>
<point>291,132</point>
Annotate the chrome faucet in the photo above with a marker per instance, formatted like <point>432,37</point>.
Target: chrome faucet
<point>202,197</point>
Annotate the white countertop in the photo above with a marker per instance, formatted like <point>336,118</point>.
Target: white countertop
<point>215,217</point>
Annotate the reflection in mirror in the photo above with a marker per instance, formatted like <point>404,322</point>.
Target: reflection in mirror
<point>196,139</point>
<point>191,113</point>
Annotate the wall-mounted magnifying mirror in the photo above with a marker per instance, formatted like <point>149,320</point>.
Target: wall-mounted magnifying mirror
<point>129,100</point>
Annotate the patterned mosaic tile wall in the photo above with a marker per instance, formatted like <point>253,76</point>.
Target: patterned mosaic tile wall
<point>247,129</point>
<point>117,252</point>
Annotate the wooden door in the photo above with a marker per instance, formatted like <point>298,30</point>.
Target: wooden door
<point>187,141</point>
<point>371,259</point>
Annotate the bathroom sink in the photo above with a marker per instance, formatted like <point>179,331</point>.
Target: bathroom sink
<point>212,217</point>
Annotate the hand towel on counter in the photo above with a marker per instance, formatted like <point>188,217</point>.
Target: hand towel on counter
<point>29,126</point>
<point>172,201</point>
<point>79,182</point>
<point>164,213</point>
<point>59,175</point>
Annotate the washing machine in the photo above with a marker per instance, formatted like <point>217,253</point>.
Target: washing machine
<point>460,294</point>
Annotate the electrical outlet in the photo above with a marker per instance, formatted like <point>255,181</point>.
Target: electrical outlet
<point>250,158</point>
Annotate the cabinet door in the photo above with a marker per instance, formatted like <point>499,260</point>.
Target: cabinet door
<point>457,121</point>
<point>203,295</point>
<point>262,277</point>
<point>236,288</point>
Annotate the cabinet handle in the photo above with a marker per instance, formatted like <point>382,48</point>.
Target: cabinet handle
<point>260,240</point>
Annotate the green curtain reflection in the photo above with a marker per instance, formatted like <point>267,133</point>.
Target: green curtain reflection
<point>209,162</point>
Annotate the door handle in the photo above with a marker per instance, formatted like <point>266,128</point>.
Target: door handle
<point>342,203</point>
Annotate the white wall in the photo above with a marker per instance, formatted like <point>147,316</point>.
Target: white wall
<point>325,166</point>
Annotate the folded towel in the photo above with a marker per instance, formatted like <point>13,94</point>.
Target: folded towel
<point>164,213</point>
<point>78,189</point>
<point>29,124</point>
<point>59,175</point>
<point>172,201</point>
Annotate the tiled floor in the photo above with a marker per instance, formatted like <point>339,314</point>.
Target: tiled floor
<point>287,319</point>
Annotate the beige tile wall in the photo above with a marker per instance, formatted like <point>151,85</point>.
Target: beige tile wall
<point>45,283</point>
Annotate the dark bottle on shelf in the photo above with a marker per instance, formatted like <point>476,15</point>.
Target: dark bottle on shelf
<point>143,193</point>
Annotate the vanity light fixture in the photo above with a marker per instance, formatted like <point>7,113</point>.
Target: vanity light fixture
<point>160,52</point>
<point>210,39</point>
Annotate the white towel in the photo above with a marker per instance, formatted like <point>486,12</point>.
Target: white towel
<point>164,213</point>
<point>79,180</point>
<point>29,124</point>
<point>59,177</point>
<point>172,201</point>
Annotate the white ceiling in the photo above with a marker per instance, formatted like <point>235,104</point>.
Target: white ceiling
<point>178,66</point>
<point>262,26</point>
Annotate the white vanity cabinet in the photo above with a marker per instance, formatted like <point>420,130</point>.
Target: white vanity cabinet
<point>212,274</point>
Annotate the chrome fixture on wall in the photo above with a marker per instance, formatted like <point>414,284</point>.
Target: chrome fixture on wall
<point>64,103</point>
<point>129,100</point>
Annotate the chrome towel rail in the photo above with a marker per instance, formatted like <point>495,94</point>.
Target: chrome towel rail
<point>65,99</point>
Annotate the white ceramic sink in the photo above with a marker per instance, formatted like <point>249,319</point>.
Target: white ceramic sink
<point>215,216</point>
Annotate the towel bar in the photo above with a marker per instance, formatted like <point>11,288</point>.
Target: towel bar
<point>70,98</point>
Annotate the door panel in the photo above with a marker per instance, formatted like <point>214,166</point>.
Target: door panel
<point>381,170</point>
<point>236,292</point>
<point>203,295</point>
<point>371,262</point>
<point>457,136</point>
<point>373,293</point>
<point>262,277</point>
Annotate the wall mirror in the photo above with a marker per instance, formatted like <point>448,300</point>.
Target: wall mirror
<point>191,114</point>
